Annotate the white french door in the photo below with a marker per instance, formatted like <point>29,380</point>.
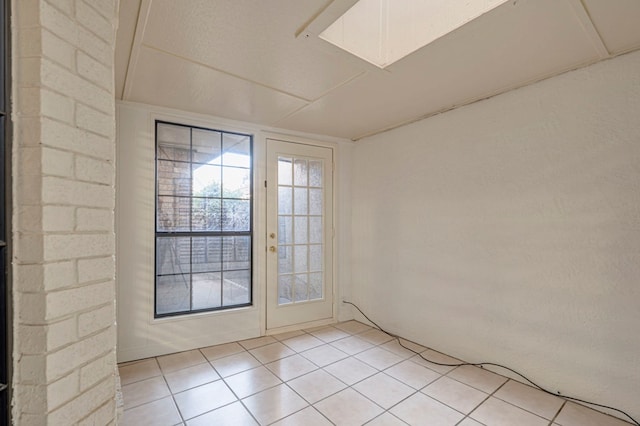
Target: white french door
<point>299,233</point>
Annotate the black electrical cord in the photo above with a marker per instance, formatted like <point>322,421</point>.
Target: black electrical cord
<point>491,364</point>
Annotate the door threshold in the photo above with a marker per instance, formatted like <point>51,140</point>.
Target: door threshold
<point>301,326</point>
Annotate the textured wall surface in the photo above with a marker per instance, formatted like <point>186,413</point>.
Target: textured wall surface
<point>63,200</point>
<point>509,231</point>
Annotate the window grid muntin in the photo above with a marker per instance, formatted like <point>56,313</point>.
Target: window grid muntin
<point>221,234</point>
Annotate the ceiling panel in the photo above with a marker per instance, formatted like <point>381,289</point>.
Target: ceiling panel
<point>503,49</point>
<point>165,80</point>
<point>252,39</point>
<point>617,21</point>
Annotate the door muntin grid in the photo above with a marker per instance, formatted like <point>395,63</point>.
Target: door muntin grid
<point>300,229</point>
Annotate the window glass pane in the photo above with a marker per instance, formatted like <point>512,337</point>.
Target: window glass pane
<point>173,142</point>
<point>173,214</point>
<point>315,286</point>
<point>301,289</point>
<point>300,172</point>
<point>173,255</point>
<point>301,231</point>
<point>235,215</point>
<point>285,230</point>
<point>284,200</point>
<point>172,293</point>
<point>206,254</point>
<point>315,230</point>
<point>206,146</point>
<point>236,288</point>
<point>207,181</point>
<point>206,214</point>
<point>300,258</point>
<point>285,289</point>
<point>300,200</point>
<point>284,171</point>
<point>315,257</point>
<point>174,178</point>
<point>207,292</point>
<point>236,182</point>
<point>237,150</point>
<point>285,259</point>
<point>315,201</point>
<point>315,173</point>
<point>236,253</point>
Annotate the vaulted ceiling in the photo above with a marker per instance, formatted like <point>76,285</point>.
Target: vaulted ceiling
<point>261,60</point>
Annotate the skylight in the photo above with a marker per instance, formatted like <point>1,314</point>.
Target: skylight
<point>385,31</point>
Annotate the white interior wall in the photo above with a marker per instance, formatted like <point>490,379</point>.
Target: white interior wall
<point>509,231</point>
<point>139,334</point>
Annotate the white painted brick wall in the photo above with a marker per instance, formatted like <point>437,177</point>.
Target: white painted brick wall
<point>63,198</point>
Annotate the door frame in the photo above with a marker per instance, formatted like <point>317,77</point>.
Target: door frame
<point>261,217</point>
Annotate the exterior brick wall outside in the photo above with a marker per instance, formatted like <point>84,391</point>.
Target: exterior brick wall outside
<point>63,200</point>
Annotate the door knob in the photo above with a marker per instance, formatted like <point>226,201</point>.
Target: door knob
<point>272,249</point>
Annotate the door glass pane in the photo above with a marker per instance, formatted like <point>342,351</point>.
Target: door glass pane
<point>300,172</point>
<point>305,230</point>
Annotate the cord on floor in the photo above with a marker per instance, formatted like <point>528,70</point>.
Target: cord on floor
<point>492,364</point>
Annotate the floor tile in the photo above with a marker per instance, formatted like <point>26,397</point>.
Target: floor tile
<point>257,342</point>
<point>353,327</point>
<point>478,378</point>
<point>386,419</point>
<point>288,335</point>
<point>469,422</point>
<point>348,407</point>
<point>324,355</point>
<point>307,417</point>
<point>577,415</point>
<point>412,374</point>
<point>384,390</point>
<point>144,391</point>
<point>303,342</point>
<point>233,414</point>
<point>316,385</point>
<point>419,410</point>
<point>191,377</point>
<point>435,357</point>
<point>455,394</point>
<point>162,412</point>
<point>274,404</point>
<point>202,399</point>
<point>221,351</point>
<point>379,358</point>
<point>531,399</point>
<point>234,364</point>
<point>495,412</point>
<point>350,370</point>
<point>375,337</point>
<point>330,334</point>
<point>291,367</point>
<point>251,381</point>
<point>271,352</point>
<point>394,346</point>
<point>137,371</point>
<point>180,360</point>
<point>352,345</point>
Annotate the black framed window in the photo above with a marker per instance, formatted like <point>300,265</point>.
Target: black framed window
<point>204,196</point>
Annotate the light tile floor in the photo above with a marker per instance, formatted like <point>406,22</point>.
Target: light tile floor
<point>347,374</point>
